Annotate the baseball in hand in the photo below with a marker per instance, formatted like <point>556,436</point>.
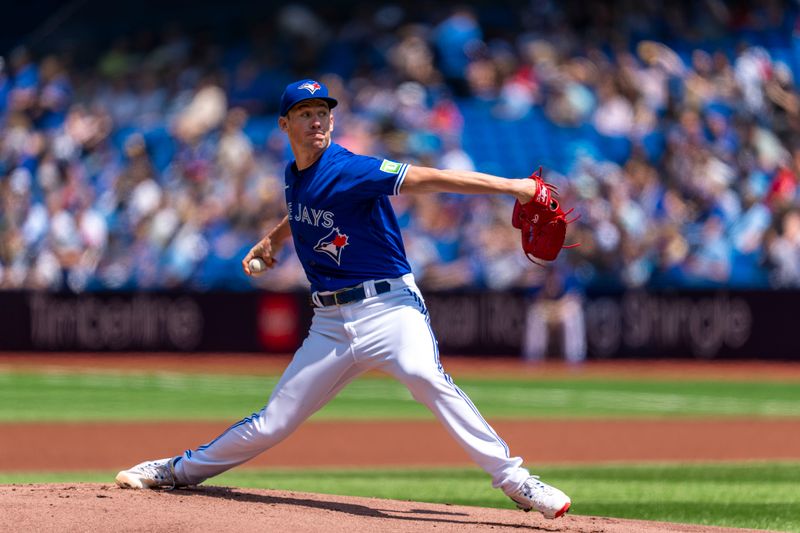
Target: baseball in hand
<point>257,265</point>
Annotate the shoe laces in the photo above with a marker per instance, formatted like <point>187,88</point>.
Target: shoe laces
<point>531,484</point>
<point>160,471</point>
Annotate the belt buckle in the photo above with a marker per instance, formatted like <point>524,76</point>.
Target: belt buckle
<point>336,296</point>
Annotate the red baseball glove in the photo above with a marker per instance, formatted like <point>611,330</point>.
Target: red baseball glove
<point>542,221</point>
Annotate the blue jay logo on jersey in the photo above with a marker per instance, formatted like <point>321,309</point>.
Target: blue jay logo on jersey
<point>311,87</point>
<point>332,245</point>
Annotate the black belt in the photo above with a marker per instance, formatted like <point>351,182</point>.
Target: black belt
<point>353,294</point>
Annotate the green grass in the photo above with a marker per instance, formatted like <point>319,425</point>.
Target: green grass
<point>752,495</point>
<point>114,395</point>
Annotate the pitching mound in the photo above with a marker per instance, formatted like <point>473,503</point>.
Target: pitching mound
<point>95,507</point>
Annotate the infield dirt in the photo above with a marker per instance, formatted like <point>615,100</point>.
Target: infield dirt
<point>95,507</point>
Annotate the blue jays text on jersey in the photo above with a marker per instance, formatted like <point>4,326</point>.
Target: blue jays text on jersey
<point>343,226</point>
<point>315,217</point>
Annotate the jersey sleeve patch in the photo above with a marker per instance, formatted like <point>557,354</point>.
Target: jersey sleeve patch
<point>361,177</point>
<point>390,167</point>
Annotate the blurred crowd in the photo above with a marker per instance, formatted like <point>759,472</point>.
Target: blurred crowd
<point>157,163</point>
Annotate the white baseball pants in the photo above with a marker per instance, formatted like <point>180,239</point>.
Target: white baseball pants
<point>389,332</point>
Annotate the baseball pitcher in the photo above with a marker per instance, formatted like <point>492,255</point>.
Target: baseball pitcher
<point>368,312</point>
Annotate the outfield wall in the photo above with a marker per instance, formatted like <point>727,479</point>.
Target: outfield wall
<point>701,325</point>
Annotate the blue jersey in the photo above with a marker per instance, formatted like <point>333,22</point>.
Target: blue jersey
<point>343,225</point>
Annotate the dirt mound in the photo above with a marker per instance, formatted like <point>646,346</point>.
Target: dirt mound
<point>96,507</point>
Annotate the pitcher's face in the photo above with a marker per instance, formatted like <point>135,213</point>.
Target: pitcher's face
<point>308,125</point>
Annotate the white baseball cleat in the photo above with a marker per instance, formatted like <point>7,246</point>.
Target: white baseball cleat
<point>149,475</point>
<point>538,495</point>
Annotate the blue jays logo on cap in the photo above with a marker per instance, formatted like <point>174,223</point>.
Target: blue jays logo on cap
<point>301,90</point>
<point>312,87</point>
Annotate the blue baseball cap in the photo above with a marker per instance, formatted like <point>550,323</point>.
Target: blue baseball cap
<point>301,90</point>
